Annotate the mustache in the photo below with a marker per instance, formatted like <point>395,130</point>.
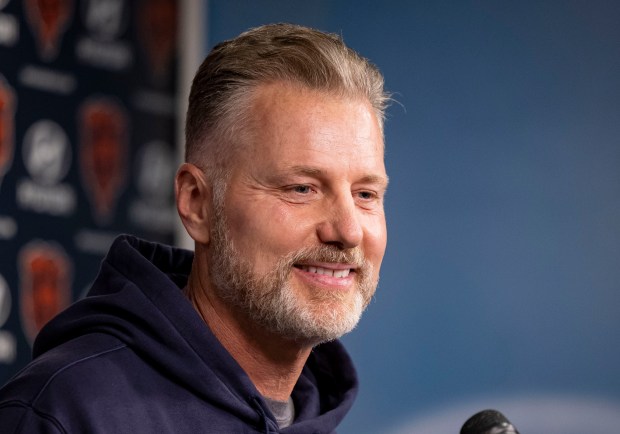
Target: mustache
<point>327,253</point>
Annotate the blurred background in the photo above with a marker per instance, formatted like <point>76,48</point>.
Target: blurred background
<point>501,283</point>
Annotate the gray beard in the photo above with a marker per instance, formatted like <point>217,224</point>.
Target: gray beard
<point>269,300</point>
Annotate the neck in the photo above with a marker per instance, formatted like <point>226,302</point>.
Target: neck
<point>272,362</point>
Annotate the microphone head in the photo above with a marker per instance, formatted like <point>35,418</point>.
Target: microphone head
<point>488,422</point>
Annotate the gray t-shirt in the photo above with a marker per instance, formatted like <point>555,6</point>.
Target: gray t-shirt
<point>284,411</point>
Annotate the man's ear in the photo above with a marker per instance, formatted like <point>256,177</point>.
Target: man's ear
<point>194,201</point>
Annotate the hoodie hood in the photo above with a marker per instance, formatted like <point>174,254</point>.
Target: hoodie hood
<point>137,298</point>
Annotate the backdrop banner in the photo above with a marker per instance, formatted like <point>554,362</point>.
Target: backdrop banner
<point>87,128</point>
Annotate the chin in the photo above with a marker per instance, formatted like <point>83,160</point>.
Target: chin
<point>323,322</point>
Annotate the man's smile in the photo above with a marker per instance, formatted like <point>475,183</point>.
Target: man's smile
<point>331,270</point>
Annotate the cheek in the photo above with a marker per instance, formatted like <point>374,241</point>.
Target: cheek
<point>375,239</point>
<point>290,228</point>
<point>266,230</point>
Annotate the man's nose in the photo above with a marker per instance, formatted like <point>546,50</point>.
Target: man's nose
<point>341,225</point>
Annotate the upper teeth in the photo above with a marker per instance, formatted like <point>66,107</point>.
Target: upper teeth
<point>326,271</point>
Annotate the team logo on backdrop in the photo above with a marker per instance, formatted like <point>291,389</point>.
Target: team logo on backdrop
<point>7,126</point>
<point>155,172</point>
<point>45,274</point>
<point>9,27</point>
<point>47,157</point>
<point>104,141</point>
<point>46,152</point>
<point>8,346</point>
<point>105,21</point>
<point>5,301</point>
<point>157,24</point>
<point>48,21</point>
<point>154,179</point>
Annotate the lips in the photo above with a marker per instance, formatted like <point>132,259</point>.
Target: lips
<point>329,266</point>
<point>341,273</point>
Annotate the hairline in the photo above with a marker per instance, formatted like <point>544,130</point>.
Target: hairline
<point>233,129</point>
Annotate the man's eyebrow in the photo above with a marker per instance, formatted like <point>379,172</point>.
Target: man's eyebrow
<point>305,170</point>
<point>382,180</point>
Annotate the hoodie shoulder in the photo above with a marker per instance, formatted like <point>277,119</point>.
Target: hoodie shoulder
<point>59,364</point>
<point>36,399</point>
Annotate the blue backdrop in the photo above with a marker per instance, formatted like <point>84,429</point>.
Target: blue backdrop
<point>501,283</point>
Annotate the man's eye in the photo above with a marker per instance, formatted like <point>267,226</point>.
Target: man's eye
<point>366,195</point>
<point>302,189</point>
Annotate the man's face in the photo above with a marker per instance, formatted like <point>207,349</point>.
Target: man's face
<point>299,234</point>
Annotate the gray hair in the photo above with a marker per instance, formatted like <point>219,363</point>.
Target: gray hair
<point>221,91</point>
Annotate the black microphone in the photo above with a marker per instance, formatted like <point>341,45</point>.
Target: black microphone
<point>488,422</point>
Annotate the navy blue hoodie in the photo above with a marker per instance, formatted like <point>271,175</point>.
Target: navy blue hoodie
<point>135,357</point>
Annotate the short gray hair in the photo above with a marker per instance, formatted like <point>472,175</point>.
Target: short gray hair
<point>220,94</point>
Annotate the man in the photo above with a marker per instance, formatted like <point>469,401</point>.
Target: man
<point>282,192</point>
